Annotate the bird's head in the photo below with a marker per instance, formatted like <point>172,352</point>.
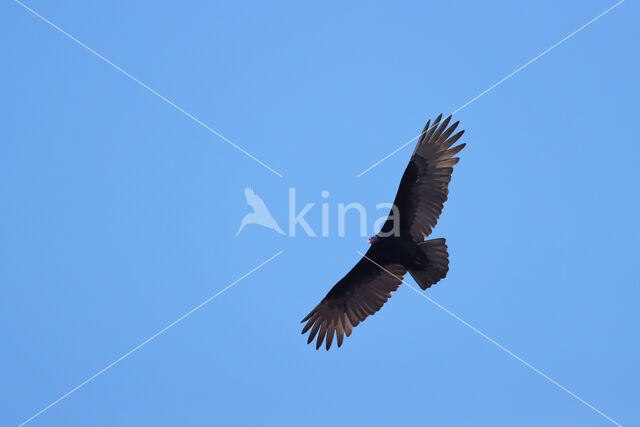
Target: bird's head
<point>373,239</point>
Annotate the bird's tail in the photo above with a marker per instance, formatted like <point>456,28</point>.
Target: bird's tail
<point>437,265</point>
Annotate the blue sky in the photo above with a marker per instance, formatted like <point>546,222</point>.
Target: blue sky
<point>119,213</point>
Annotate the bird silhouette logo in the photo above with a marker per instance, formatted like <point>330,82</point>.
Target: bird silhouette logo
<point>260,214</point>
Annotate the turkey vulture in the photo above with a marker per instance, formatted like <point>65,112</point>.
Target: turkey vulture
<point>399,247</point>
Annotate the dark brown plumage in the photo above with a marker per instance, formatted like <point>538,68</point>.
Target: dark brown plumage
<point>419,202</point>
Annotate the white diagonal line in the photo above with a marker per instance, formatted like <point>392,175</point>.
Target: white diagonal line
<point>497,344</point>
<point>496,84</point>
<point>195,119</point>
<point>145,342</point>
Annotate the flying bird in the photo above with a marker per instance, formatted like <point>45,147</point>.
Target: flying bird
<point>400,246</point>
<point>260,214</point>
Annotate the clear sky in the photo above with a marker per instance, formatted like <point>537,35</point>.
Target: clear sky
<point>118,213</point>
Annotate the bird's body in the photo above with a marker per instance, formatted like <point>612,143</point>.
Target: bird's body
<point>399,247</point>
<point>390,251</point>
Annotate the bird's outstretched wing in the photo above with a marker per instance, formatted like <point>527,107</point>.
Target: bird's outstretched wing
<point>362,292</point>
<point>424,185</point>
